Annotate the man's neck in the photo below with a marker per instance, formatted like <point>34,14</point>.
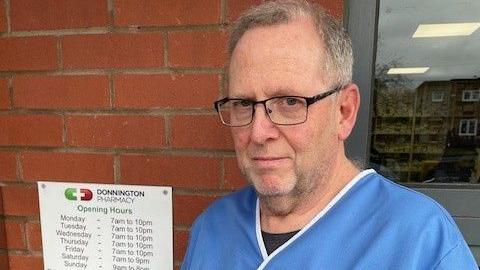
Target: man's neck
<point>312,204</point>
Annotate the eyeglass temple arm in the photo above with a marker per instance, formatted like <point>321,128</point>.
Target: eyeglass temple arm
<point>323,95</point>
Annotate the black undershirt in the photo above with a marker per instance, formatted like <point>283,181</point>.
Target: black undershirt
<point>272,241</point>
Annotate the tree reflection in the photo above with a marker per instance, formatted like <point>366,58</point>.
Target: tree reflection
<point>429,133</point>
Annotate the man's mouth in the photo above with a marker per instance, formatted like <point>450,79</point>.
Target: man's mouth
<point>269,161</point>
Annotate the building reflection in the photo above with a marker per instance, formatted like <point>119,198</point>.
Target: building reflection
<point>428,133</point>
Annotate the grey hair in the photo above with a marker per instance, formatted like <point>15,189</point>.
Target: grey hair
<point>337,43</point>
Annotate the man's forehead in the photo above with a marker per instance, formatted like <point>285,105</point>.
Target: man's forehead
<point>269,57</point>
<point>272,77</point>
<point>295,33</point>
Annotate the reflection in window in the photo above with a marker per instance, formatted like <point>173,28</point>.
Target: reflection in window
<point>427,92</point>
<point>471,95</point>
<point>437,96</point>
<point>468,127</point>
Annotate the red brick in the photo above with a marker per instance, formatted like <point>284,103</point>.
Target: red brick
<point>55,92</point>
<point>180,240</point>
<point>113,50</point>
<point>3,18</point>
<point>3,238</point>
<point>34,236</point>
<point>166,12</point>
<point>4,95</point>
<point>166,91</point>
<point>116,131</point>
<point>67,167</point>
<point>23,262</point>
<point>197,49</point>
<point>8,166</point>
<point>233,177</point>
<point>189,172</point>
<point>20,201</point>
<point>14,234</point>
<point>237,7</point>
<point>2,212</point>
<point>188,207</point>
<point>4,261</point>
<point>54,14</point>
<point>334,7</point>
<point>28,53</point>
<point>33,130</point>
<point>200,131</point>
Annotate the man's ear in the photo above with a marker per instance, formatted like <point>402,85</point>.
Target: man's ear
<point>348,102</point>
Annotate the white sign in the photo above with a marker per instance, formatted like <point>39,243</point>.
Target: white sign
<point>106,227</point>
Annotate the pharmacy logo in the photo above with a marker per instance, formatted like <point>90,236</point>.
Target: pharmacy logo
<point>72,194</point>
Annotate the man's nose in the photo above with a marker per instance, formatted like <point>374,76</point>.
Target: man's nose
<point>263,129</point>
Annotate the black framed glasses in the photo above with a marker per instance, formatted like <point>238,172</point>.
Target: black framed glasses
<point>282,110</point>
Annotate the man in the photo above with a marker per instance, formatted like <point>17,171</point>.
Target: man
<point>291,105</point>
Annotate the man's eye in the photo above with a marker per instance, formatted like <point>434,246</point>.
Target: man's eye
<point>246,103</point>
<point>291,101</point>
<point>242,103</point>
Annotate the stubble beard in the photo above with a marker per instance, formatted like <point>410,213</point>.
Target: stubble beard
<point>284,204</point>
<point>307,183</point>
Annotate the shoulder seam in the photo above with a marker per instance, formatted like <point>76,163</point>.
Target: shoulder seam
<point>446,254</point>
<point>445,213</point>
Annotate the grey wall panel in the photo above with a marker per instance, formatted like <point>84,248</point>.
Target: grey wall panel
<point>459,202</point>
<point>476,253</point>
<point>464,205</point>
<point>470,229</point>
<point>361,25</point>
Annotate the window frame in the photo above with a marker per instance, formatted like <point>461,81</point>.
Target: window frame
<point>472,92</point>
<point>361,22</point>
<point>438,99</point>
<point>469,123</point>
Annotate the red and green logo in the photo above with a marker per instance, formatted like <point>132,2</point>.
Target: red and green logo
<point>72,194</point>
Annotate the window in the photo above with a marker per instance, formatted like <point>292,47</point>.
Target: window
<point>467,127</point>
<point>437,96</point>
<point>419,146</point>
<point>471,95</point>
<point>418,134</point>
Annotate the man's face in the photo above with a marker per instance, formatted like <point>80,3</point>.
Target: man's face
<point>271,61</point>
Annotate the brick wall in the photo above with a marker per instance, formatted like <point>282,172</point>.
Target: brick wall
<point>112,91</point>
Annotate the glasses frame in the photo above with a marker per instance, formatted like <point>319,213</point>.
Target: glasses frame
<point>308,100</point>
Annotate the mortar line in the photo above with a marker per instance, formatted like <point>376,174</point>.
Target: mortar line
<point>168,131</point>
<point>11,94</point>
<point>111,91</point>
<point>117,169</point>
<point>7,14</point>
<point>64,130</point>
<point>24,235</point>
<point>222,173</point>
<point>206,153</point>
<point>98,71</point>
<point>223,11</point>
<point>19,170</point>
<point>222,87</point>
<point>113,29</point>
<point>111,15</point>
<point>59,53</point>
<point>165,49</point>
<point>110,112</point>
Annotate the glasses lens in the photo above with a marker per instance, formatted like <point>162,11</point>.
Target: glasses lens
<point>236,112</point>
<point>287,110</point>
